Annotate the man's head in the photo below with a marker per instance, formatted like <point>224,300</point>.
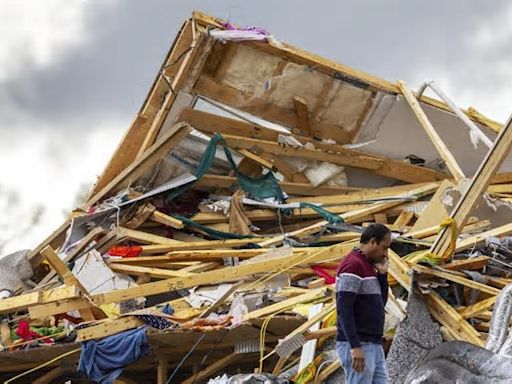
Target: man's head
<point>375,242</point>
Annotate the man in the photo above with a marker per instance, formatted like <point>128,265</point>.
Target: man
<point>361,294</point>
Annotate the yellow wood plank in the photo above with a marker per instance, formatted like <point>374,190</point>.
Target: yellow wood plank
<point>436,140</point>
<point>479,183</point>
<point>25,301</point>
<point>108,328</point>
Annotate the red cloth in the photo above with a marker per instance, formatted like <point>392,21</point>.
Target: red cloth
<point>25,333</point>
<point>125,251</point>
<point>323,273</point>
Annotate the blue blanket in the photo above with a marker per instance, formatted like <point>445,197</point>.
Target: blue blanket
<point>103,361</point>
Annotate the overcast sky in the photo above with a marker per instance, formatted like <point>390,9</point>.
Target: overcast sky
<point>73,73</point>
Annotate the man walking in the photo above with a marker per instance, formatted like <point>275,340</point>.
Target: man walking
<point>361,295</point>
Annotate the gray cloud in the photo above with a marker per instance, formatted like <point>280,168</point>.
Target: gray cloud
<point>109,77</point>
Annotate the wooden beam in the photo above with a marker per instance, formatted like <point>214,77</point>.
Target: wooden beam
<point>136,169</point>
<point>301,108</point>
<point>472,263</point>
<point>198,245</point>
<point>451,319</point>
<point>294,301</point>
<point>55,240</point>
<point>479,184</point>
<point>25,301</point>
<point>53,374</point>
<point>353,215</point>
<point>476,240</point>
<point>162,218</point>
<point>303,189</point>
<point>161,373</point>
<point>176,84</point>
<point>436,140</point>
<point>394,169</point>
<point>108,328</point>
<point>145,237</point>
<point>158,273</point>
<point>213,368</point>
<point>456,279</point>
<point>477,308</point>
<point>69,278</point>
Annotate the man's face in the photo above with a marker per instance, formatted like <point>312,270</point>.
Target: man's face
<point>376,251</point>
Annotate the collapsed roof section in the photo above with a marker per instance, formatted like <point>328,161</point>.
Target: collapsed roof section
<point>266,86</point>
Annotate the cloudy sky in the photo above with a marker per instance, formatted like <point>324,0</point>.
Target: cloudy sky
<point>73,73</point>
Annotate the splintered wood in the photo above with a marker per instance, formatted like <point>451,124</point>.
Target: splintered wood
<point>236,242</point>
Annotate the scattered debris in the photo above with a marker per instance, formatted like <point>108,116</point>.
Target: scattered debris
<point>213,235</point>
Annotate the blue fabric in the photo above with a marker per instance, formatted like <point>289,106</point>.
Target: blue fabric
<point>103,361</point>
<point>375,371</point>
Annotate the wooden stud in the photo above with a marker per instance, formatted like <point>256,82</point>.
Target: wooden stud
<point>479,184</point>
<point>303,189</point>
<point>25,301</point>
<point>394,169</point>
<point>452,320</point>
<point>213,368</point>
<point>436,140</point>
<point>108,328</point>
<point>301,108</point>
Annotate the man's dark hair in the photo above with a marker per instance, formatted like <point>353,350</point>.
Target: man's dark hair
<point>376,231</point>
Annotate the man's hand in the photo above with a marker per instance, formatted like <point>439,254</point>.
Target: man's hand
<point>382,267</point>
<point>358,359</point>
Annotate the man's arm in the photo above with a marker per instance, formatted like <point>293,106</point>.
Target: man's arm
<point>383,282</point>
<point>382,277</point>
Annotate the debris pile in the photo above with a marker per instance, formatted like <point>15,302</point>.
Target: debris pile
<point>208,247</point>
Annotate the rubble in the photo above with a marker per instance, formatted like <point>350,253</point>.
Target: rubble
<point>215,229</point>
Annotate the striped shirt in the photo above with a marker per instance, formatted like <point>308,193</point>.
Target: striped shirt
<point>361,295</point>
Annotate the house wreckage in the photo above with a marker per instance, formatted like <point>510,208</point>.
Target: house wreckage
<point>207,249</point>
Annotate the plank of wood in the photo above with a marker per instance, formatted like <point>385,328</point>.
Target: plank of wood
<point>394,169</point>
<point>69,278</point>
<point>427,126</point>
<point>476,240</point>
<point>167,220</point>
<point>25,301</point>
<point>306,297</point>
<point>183,256</point>
<point>212,368</point>
<point>477,187</point>
<point>435,212</point>
<point>289,172</point>
<point>57,307</point>
<point>108,328</point>
<point>137,168</point>
<point>477,308</point>
<point>222,274</point>
<point>328,371</point>
<point>301,108</point>
<point>161,371</point>
<point>451,319</point>
<point>469,264</point>
<point>82,246</point>
<point>176,84</point>
<point>55,240</point>
<point>456,279</point>
<point>145,237</point>
<point>254,157</point>
<point>221,181</point>
<point>197,245</point>
<point>404,219</point>
<point>158,273</point>
<point>271,214</point>
<point>353,215</point>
